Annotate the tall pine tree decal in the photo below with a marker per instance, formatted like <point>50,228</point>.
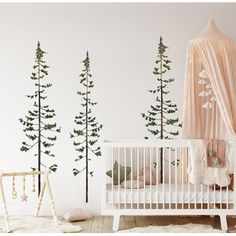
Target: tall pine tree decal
<point>86,133</point>
<point>38,127</point>
<point>159,118</point>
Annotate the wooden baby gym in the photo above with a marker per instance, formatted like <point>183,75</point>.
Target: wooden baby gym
<point>24,197</point>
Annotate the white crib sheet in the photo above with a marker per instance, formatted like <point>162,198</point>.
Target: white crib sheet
<point>167,193</point>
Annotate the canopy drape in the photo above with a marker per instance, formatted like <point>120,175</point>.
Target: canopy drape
<point>210,86</point>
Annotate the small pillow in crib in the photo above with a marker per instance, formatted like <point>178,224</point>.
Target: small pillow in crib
<point>149,176</point>
<point>76,214</point>
<point>134,184</point>
<point>118,178</point>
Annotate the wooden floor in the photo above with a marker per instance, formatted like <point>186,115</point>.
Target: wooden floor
<point>103,224</point>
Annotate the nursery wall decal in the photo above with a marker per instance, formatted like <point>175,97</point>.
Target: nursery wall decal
<point>86,133</point>
<point>159,118</point>
<point>39,128</point>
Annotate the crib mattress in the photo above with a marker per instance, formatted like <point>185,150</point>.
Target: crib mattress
<point>168,193</point>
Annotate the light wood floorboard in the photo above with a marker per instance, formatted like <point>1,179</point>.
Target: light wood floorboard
<point>103,224</point>
<point>97,226</point>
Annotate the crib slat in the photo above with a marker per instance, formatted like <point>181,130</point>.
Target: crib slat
<point>220,197</point>
<point>150,177</point>
<point>163,177</point>
<point>234,182</point>
<point>112,171</point>
<point>227,197</point>
<point>169,163</point>
<point>118,153</point>
<point>144,165</point>
<point>157,176</point>
<point>201,197</point>
<point>131,174</point>
<point>176,184</point>
<point>214,196</point>
<point>208,197</point>
<point>138,159</point>
<point>183,164</point>
<point>125,161</point>
<point>215,192</point>
<point>195,193</point>
<point>188,193</point>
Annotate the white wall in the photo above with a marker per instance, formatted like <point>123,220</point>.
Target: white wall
<point>122,41</point>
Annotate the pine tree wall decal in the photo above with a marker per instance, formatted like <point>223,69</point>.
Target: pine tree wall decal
<point>159,118</point>
<point>38,127</point>
<point>86,133</point>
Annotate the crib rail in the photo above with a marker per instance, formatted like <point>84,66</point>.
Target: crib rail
<point>135,185</point>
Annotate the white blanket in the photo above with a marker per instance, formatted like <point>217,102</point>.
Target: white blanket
<point>198,170</point>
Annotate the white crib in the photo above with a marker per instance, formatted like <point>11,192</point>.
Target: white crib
<point>174,195</point>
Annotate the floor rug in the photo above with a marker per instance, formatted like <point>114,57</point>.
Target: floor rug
<point>31,224</point>
<point>188,228</point>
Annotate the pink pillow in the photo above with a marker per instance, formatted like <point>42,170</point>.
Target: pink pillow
<point>76,214</point>
<point>132,184</point>
<point>147,179</point>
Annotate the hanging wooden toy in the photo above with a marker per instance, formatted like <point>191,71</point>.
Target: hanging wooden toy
<point>24,197</point>
<point>33,186</point>
<point>14,193</point>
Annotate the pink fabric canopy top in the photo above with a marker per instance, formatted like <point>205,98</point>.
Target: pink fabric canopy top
<point>210,86</point>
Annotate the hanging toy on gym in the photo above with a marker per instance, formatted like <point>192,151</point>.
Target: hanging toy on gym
<point>14,193</point>
<point>33,186</point>
<point>24,197</point>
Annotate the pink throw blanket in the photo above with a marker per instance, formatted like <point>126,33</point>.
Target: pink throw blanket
<point>216,170</point>
<point>215,151</point>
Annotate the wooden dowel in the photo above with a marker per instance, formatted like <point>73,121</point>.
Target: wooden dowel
<point>5,211</point>
<point>23,173</point>
<point>40,197</point>
<point>52,201</point>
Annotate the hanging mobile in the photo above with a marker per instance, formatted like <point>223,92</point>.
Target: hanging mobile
<point>33,186</point>
<point>14,193</point>
<point>24,197</point>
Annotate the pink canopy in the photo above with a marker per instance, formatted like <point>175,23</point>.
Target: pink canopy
<point>210,86</point>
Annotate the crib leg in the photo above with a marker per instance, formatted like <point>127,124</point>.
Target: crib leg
<point>223,222</point>
<point>116,222</point>
<point>211,206</point>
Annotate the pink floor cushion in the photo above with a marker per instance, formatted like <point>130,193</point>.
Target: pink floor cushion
<point>132,184</point>
<point>147,179</point>
<point>76,214</point>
